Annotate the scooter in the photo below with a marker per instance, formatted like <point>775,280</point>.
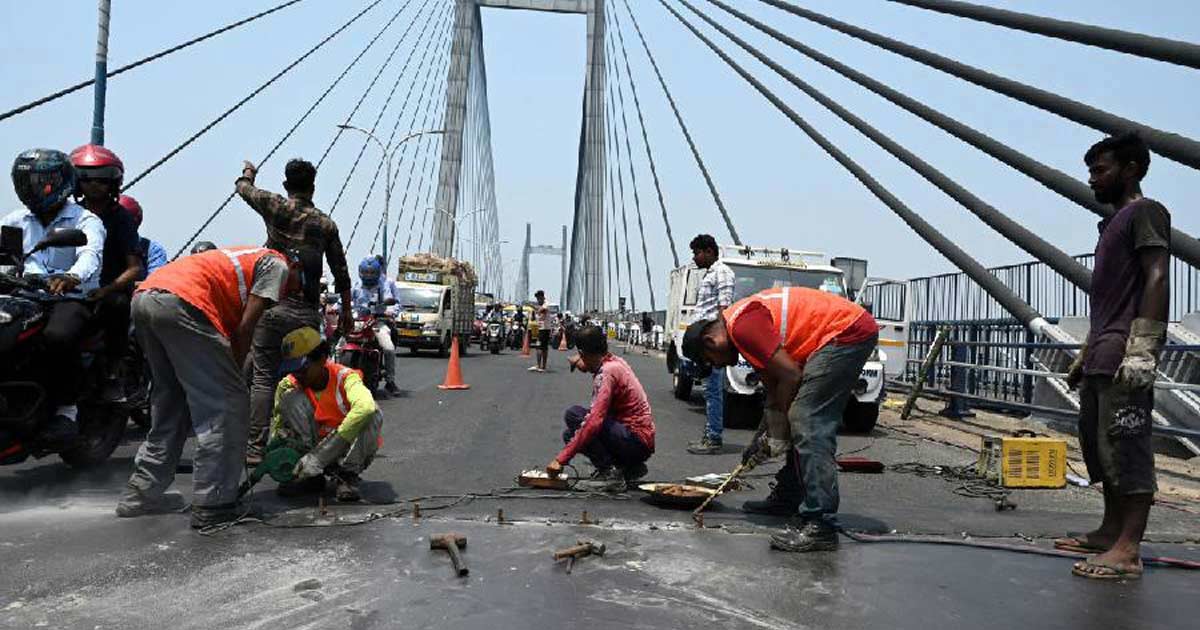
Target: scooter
<point>494,338</point>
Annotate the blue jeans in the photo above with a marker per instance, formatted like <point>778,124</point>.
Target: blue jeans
<point>811,474</point>
<point>614,445</point>
<point>714,404</point>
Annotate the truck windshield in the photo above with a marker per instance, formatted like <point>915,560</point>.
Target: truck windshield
<point>750,280</point>
<point>420,300</point>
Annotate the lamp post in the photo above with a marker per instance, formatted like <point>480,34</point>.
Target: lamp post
<point>454,221</point>
<point>387,188</point>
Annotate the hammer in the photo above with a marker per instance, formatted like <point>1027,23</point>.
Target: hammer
<point>583,549</point>
<point>452,543</point>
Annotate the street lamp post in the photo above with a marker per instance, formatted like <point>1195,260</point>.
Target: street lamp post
<point>387,188</point>
<point>454,223</point>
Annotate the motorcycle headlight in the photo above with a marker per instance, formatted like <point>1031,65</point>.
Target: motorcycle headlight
<point>359,325</point>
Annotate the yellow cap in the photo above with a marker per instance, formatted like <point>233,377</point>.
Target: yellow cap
<point>300,342</point>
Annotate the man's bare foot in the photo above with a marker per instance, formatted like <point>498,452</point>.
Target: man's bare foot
<point>1120,562</point>
<point>1091,542</point>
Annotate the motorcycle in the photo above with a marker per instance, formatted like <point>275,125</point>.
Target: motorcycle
<point>516,336</point>
<point>494,339</point>
<point>360,349</point>
<point>24,403</point>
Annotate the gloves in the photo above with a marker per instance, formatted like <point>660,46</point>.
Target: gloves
<point>331,450</point>
<point>1075,370</point>
<point>1138,369</point>
<point>763,448</point>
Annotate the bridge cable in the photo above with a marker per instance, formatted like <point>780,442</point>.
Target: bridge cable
<point>612,210</point>
<point>1183,245</point>
<point>247,99</point>
<point>637,202</point>
<point>621,188</point>
<point>286,136</point>
<point>425,148</point>
<point>1147,46</point>
<point>977,272</point>
<point>1174,146</point>
<point>712,187</point>
<point>143,61</point>
<point>1024,238</point>
<point>366,141</point>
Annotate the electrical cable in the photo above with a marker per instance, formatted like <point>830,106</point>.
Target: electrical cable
<point>144,60</point>
<point>173,152</point>
<point>296,126</point>
<point>712,187</point>
<point>1174,146</point>
<point>1183,246</point>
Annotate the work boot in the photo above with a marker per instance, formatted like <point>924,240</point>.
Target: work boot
<point>112,390</point>
<point>134,503</point>
<point>391,388</point>
<point>608,480</point>
<point>635,472</point>
<point>707,445</point>
<point>776,504</point>
<point>811,535</point>
<point>58,432</point>
<point>301,487</point>
<point>211,515</point>
<point>347,487</point>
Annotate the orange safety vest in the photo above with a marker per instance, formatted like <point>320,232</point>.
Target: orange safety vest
<point>807,318</point>
<point>217,282</point>
<point>333,405</point>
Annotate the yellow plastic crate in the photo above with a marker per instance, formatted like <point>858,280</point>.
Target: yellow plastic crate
<point>1024,462</point>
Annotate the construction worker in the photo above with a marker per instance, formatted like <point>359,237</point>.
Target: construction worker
<point>808,347</point>
<point>616,432</point>
<point>292,223</point>
<point>194,320</point>
<point>326,412</point>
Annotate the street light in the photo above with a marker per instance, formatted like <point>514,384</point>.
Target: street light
<point>387,154</point>
<point>455,219</point>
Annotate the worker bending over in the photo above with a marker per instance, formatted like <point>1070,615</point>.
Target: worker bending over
<point>809,348</point>
<point>324,410</point>
<point>617,432</point>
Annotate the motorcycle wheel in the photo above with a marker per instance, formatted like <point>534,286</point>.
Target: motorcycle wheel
<point>101,430</point>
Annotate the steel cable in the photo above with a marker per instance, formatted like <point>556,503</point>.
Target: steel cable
<point>424,148</point>
<point>247,99</point>
<point>612,133</point>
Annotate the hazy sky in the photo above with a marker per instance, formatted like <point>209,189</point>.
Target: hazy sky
<point>781,189</point>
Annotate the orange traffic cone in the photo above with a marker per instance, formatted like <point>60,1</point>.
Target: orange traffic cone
<point>525,345</point>
<point>562,344</point>
<point>454,371</point>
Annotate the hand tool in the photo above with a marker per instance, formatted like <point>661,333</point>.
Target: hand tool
<point>733,475</point>
<point>452,543</point>
<point>583,549</point>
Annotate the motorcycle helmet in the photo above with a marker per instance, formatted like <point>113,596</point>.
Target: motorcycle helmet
<point>94,162</point>
<point>134,209</point>
<point>43,178</point>
<point>369,271</point>
<point>203,246</point>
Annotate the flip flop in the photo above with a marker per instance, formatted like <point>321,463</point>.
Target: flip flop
<point>1093,570</point>
<point>1078,543</point>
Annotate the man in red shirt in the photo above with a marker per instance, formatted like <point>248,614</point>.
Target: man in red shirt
<point>617,432</point>
<point>809,348</point>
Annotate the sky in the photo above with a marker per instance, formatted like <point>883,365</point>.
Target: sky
<point>780,188</point>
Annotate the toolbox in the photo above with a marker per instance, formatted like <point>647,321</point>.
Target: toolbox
<point>1024,462</point>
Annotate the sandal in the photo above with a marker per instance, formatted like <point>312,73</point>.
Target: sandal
<point>1078,543</point>
<point>1093,570</point>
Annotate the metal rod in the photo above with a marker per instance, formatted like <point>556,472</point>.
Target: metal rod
<point>101,82</point>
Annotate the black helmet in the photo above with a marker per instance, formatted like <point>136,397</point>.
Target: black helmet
<point>203,246</point>
<point>43,178</point>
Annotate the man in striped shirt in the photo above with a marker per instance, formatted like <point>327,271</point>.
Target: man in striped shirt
<point>715,295</point>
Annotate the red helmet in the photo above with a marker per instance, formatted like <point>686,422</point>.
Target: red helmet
<point>134,209</point>
<point>93,161</point>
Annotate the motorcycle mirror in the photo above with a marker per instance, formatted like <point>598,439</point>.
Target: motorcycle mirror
<point>61,238</point>
<point>332,298</point>
<point>12,240</point>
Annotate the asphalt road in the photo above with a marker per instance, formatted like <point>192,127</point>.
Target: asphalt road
<point>69,563</point>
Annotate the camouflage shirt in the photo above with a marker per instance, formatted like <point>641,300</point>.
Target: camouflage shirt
<point>294,223</point>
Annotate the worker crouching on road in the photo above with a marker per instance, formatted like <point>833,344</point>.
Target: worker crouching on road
<point>809,348</point>
<point>325,411</point>
<point>617,432</point>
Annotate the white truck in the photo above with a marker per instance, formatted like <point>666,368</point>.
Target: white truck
<point>756,269</point>
<point>437,303</point>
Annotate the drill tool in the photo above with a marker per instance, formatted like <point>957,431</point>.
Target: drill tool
<point>733,475</point>
<point>452,543</point>
<point>583,549</point>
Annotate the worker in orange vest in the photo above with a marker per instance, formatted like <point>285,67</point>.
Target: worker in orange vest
<point>327,408</point>
<point>808,347</point>
<point>194,319</point>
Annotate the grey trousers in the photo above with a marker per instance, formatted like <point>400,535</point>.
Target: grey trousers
<point>196,386</point>
<point>275,324</point>
<point>296,412</point>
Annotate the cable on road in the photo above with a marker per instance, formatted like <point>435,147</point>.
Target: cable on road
<point>173,152</point>
<point>712,187</point>
<point>1174,146</point>
<point>1158,48</point>
<point>1183,246</point>
<point>295,127</point>
<point>1016,233</point>
<point>145,60</point>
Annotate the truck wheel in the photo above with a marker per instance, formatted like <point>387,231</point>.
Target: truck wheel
<point>681,385</point>
<point>463,348</point>
<point>742,411</point>
<point>100,431</point>
<point>444,350</point>
<point>860,417</point>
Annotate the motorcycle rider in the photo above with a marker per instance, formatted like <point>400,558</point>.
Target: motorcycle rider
<point>153,254</point>
<point>376,289</point>
<point>44,181</point>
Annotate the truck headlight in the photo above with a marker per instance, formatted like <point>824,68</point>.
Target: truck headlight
<point>860,387</point>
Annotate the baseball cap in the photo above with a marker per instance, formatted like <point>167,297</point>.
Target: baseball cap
<point>693,341</point>
<point>296,346</point>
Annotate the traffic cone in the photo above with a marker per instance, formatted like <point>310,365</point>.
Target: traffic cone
<point>525,346</point>
<point>562,344</point>
<point>453,370</point>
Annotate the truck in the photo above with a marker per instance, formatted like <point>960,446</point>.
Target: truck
<point>437,303</point>
<point>756,269</point>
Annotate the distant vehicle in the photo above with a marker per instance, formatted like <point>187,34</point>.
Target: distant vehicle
<point>757,269</point>
<point>437,303</point>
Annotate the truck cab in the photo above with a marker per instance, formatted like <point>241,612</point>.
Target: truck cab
<point>424,320</point>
